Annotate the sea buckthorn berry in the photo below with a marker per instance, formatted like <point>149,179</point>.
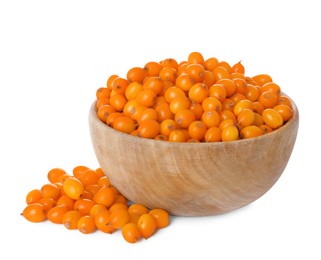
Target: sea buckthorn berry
<point>149,129</point>
<point>118,101</point>
<point>33,196</point>
<point>86,224</point>
<point>209,78</point>
<point>124,124</point>
<point>119,218</point>
<point>83,206</point>
<point>225,65</point>
<point>228,104</point>
<point>197,110</point>
<point>227,122</point>
<point>266,129</point>
<point>284,100</point>
<point>269,99</point>
<point>179,103</point>
<point>257,107</point>
<point>285,111</point>
<point>210,63</point>
<point>212,104</point>
<point>117,205</point>
<point>147,114</point>
<point>101,102</point>
<point>220,72</point>
<point>172,93</point>
<point>184,82</point>
<point>104,111</point>
<point>246,117</point>
<point>217,91</point>
<point>237,97</point>
<point>198,92</point>
<point>184,118</point>
<point>131,233</point>
<point>197,130</point>
<point>34,212</point>
<point>56,214</point>
<point>48,203</point>
<point>66,201</point>
<point>213,134</point>
<point>78,170</point>
<point>155,84</point>
<point>88,177</point>
<point>229,85</point>
<point>227,114</point>
<point>137,209</point>
<point>242,104</point>
<point>272,118</point>
<point>152,68</point>
<point>110,80</point>
<point>271,87</point>
<point>50,190</point>
<point>73,188</point>
<point>262,79</point>
<point>132,90</point>
<point>119,85</point>
<point>238,67</point>
<point>96,208</point>
<point>168,74</point>
<point>146,97</point>
<point>230,133</point>
<point>102,221</point>
<point>237,75</point>
<point>196,72</point>
<point>136,74</point>
<point>54,174</point>
<point>111,118</point>
<point>211,118</point>
<point>164,112</point>
<point>70,219</point>
<point>195,58</point>
<point>241,85</point>
<point>161,216</point>
<point>169,62</point>
<point>147,225</point>
<point>252,92</point>
<point>177,136</point>
<point>250,132</point>
<point>103,92</point>
<point>258,120</point>
<point>105,196</point>
<point>167,126</point>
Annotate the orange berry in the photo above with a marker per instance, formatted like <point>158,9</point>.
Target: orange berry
<point>34,212</point>
<point>149,129</point>
<point>73,188</point>
<point>86,224</point>
<point>105,196</point>
<point>131,233</point>
<point>161,216</point>
<point>147,225</point>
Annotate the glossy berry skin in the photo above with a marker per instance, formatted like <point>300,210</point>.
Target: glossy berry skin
<point>34,212</point>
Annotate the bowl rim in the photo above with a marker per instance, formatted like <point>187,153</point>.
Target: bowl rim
<point>147,141</point>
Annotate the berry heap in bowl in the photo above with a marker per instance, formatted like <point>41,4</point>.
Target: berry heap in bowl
<point>195,137</point>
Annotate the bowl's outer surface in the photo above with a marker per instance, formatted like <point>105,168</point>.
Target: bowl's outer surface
<point>192,179</point>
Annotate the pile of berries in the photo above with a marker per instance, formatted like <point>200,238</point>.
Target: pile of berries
<point>197,100</point>
<point>87,201</point>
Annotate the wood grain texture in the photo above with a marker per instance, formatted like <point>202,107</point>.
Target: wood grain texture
<point>192,179</point>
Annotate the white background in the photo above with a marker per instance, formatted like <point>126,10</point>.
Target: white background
<point>55,54</point>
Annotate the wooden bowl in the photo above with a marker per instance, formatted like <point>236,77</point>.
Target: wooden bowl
<point>192,179</point>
